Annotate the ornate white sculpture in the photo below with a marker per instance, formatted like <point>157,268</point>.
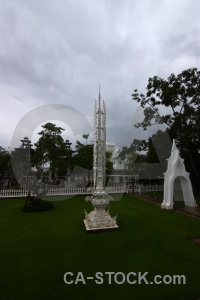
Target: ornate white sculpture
<point>99,219</point>
<point>176,168</point>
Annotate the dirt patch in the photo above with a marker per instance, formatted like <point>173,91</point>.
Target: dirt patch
<point>196,240</point>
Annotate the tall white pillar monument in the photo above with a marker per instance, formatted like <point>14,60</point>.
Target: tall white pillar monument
<point>99,219</point>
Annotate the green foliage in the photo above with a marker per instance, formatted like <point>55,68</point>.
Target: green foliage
<point>21,165</point>
<point>152,156</point>
<point>157,149</point>
<point>109,164</point>
<point>38,207</point>
<point>181,96</point>
<point>132,155</point>
<point>85,136</point>
<point>5,167</point>
<point>51,150</point>
<point>84,156</point>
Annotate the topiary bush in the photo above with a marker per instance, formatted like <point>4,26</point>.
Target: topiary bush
<point>41,206</point>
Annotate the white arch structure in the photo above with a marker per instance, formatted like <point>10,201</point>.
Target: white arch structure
<point>176,168</point>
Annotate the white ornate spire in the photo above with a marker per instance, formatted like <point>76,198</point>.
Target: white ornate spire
<point>99,144</point>
<point>99,96</point>
<point>99,219</point>
<point>95,144</point>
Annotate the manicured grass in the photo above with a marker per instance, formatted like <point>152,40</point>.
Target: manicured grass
<point>178,197</point>
<point>38,249</point>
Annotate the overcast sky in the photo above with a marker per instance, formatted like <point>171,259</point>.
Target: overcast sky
<point>59,51</point>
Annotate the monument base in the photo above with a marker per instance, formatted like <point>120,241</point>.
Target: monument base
<point>166,206</point>
<point>89,229</point>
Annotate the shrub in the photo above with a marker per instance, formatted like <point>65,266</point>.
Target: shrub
<point>40,207</point>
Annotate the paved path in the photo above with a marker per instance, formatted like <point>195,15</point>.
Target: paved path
<point>192,211</point>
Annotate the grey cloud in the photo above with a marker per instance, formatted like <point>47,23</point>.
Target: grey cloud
<point>183,44</point>
<point>59,51</point>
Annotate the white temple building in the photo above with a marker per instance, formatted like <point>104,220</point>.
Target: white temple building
<point>118,163</point>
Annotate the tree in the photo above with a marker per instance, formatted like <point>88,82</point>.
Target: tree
<point>181,96</point>
<point>4,160</point>
<point>51,152</point>
<point>5,167</point>
<point>109,164</point>
<point>135,161</point>
<point>84,156</point>
<point>84,159</point>
<point>85,136</point>
<point>158,151</point>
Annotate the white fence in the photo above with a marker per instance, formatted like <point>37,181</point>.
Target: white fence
<point>61,191</point>
<point>151,188</point>
<point>57,191</point>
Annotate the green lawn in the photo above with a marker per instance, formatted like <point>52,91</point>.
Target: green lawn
<point>37,249</point>
<point>178,197</point>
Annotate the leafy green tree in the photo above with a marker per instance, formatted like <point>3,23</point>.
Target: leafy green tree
<point>151,156</point>
<point>84,156</point>
<point>85,136</point>
<point>157,153</point>
<point>51,152</point>
<point>84,159</point>
<point>4,161</point>
<point>131,155</point>
<point>109,164</point>
<point>181,96</point>
<point>5,167</point>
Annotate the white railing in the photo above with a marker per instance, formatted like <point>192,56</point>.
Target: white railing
<point>13,193</point>
<point>58,191</point>
<point>151,188</point>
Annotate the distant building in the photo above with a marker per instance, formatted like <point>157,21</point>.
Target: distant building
<point>110,146</point>
<point>119,176</point>
<point>118,163</point>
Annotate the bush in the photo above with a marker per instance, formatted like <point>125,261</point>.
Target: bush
<point>40,207</point>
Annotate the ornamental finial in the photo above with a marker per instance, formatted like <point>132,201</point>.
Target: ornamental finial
<point>174,146</point>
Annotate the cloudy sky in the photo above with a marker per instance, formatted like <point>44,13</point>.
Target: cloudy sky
<point>59,51</point>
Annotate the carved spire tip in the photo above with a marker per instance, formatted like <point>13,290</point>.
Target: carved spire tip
<point>174,145</point>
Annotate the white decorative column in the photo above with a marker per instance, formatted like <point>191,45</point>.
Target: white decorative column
<point>99,219</point>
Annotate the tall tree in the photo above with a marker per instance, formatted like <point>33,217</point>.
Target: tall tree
<point>181,96</point>
<point>84,156</point>
<point>134,160</point>
<point>85,136</point>
<point>51,152</point>
<point>5,166</point>
<point>84,159</point>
